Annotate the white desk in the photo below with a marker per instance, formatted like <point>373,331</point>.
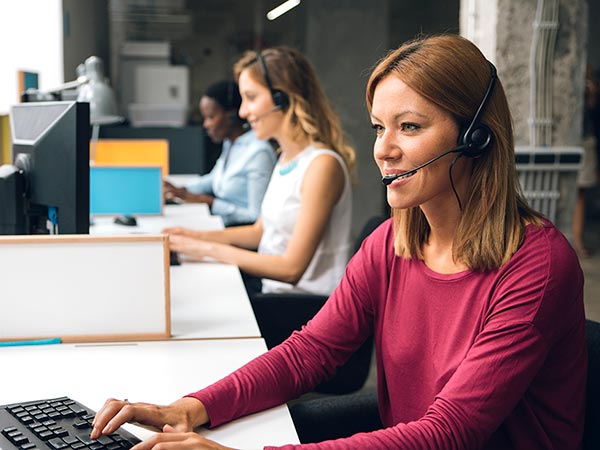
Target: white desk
<point>208,300</point>
<point>156,372</point>
<point>193,215</point>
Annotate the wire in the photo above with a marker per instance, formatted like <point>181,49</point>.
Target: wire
<point>452,180</point>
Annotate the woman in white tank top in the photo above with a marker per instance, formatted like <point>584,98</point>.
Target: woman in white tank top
<point>303,233</point>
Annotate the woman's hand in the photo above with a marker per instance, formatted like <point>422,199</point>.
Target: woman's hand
<point>171,192</point>
<point>182,415</point>
<point>172,439</point>
<point>190,246</point>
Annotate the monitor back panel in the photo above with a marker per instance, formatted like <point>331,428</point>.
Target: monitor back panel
<point>116,190</point>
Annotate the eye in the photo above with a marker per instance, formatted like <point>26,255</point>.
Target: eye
<point>378,129</point>
<point>409,127</point>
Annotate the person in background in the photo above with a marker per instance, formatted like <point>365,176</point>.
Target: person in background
<point>301,242</point>
<point>587,177</point>
<point>235,187</point>
<point>474,299</point>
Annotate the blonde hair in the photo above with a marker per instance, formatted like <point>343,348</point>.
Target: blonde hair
<point>452,73</point>
<point>309,114</point>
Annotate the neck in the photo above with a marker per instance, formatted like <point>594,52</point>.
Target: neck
<point>235,133</point>
<point>291,148</point>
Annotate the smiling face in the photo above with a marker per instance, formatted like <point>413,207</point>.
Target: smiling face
<point>215,119</point>
<point>410,130</point>
<point>258,107</point>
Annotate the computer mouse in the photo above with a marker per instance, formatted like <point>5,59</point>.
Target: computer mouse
<point>174,258</point>
<point>128,221</point>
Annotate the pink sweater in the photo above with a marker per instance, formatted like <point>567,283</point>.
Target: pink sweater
<point>470,360</point>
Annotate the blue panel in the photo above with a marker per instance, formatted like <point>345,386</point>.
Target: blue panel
<point>125,190</point>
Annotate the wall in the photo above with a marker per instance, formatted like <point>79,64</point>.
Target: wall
<point>31,39</point>
<point>85,34</point>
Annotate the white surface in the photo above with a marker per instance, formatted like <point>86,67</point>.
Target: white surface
<point>31,32</point>
<point>155,372</point>
<point>190,215</point>
<point>156,84</point>
<point>182,179</point>
<point>83,286</point>
<point>208,300</point>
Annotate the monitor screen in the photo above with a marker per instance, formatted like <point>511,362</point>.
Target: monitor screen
<point>47,186</point>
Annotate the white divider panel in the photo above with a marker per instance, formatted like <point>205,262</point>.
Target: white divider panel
<point>84,288</point>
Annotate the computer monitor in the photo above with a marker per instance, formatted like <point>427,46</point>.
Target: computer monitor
<point>47,188</point>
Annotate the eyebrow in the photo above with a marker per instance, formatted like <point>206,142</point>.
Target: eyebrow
<point>403,113</point>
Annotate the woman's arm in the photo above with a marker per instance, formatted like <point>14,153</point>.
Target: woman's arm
<point>321,188</point>
<point>189,241</point>
<point>257,172</point>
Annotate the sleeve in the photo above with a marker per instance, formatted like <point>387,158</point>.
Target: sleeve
<point>307,358</point>
<point>258,173</point>
<point>202,185</point>
<point>498,370</point>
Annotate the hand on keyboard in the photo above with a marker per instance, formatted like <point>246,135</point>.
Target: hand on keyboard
<point>183,415</point>
<point>176,421</point>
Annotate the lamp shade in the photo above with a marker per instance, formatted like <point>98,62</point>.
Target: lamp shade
<point>98,93</point>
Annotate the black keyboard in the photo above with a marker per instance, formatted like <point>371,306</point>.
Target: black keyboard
<point>55,424</point>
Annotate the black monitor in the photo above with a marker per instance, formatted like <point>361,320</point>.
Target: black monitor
<point>47,188</point>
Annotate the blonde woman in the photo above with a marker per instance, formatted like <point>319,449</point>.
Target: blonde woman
<point>301,241</point>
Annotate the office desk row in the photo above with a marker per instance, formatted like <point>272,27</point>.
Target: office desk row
<point>213,332</point>
<point>156,372</point>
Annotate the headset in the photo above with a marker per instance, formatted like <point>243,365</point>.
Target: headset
<point>477,137</point>
<point>473,140</point>
<point>280,98</point>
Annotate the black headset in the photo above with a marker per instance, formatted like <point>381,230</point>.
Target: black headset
<point>280,98</point>
<point>477,137</point>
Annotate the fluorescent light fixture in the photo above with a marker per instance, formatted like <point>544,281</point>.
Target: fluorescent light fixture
<point>282,9</point>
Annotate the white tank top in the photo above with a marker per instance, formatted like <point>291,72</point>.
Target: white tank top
<point>280,209</point>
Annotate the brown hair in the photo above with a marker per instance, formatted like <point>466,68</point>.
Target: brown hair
<point>452,73</point>
<point>309,113</point>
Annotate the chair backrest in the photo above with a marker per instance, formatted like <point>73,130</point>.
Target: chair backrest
<point>278,315</point>
<point>591,434</point>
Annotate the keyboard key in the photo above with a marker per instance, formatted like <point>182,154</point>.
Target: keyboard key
<point>57,443</point>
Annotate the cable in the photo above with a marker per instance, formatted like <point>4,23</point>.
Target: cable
<point>452,180</point>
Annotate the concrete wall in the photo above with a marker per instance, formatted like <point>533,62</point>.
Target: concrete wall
<point>342,56</point>
<point>85,33</point>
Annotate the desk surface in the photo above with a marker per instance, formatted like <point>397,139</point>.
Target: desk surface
<point>192,215</point>
<point>208,300</point>
<point>156,372</point>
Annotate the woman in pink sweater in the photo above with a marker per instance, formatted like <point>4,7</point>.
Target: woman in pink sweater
<point>474,299</point>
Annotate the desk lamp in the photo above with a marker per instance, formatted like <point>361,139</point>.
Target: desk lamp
<point>96,91</point>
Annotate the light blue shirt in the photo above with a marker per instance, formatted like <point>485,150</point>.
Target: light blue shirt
<point>239,179</point>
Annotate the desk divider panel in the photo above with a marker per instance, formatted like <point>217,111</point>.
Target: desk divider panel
<point>84,288</point>
<point>132,152</point>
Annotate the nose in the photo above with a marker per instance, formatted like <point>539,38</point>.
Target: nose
<point>386,148</point>
<point>243,112</point>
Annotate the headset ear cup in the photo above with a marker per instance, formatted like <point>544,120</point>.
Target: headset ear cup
<point>477,140</point>
<point>281,100</point>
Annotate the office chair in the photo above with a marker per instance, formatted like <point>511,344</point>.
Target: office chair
<point>591,432</point>
<point>278,315</point>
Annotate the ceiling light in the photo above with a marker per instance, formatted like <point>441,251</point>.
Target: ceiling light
<point>282,9</point>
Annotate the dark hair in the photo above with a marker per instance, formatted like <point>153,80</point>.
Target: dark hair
<point>226,93</point>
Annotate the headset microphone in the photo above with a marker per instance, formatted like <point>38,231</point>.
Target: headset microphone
<point>473,141</point>
<point>388,179</point>
<point>247,125</point>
